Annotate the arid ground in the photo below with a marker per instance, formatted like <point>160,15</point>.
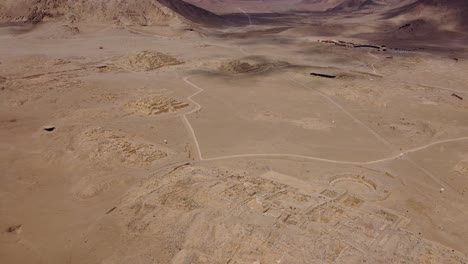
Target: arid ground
<point>189,136</point>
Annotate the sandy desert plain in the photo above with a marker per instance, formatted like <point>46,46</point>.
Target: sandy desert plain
<point>156,131</point>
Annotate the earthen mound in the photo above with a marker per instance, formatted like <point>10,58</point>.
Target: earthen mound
<point>249,65</point>
<point>154,105</point>
<point>102,144</point>
<point>237,66</point>
<point>151,60</point>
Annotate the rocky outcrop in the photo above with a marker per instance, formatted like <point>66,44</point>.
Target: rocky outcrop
<point>453,13</point>
<point>126,12</point>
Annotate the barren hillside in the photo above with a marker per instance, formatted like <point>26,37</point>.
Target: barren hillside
<point>354,5</point>
<point>143,13</point>
<point>450,15</point>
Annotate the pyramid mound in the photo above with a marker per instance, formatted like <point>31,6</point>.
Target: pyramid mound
<point>126,12</point>
<point>151,60</point>
<point>237,66</point>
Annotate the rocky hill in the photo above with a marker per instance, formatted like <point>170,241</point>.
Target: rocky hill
<point>127,12</point>
<point>430,16</point>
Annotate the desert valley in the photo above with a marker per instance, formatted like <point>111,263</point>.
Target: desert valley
<point>233,131</point>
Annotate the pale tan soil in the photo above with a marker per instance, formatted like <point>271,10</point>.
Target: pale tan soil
<point>178,147</point>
